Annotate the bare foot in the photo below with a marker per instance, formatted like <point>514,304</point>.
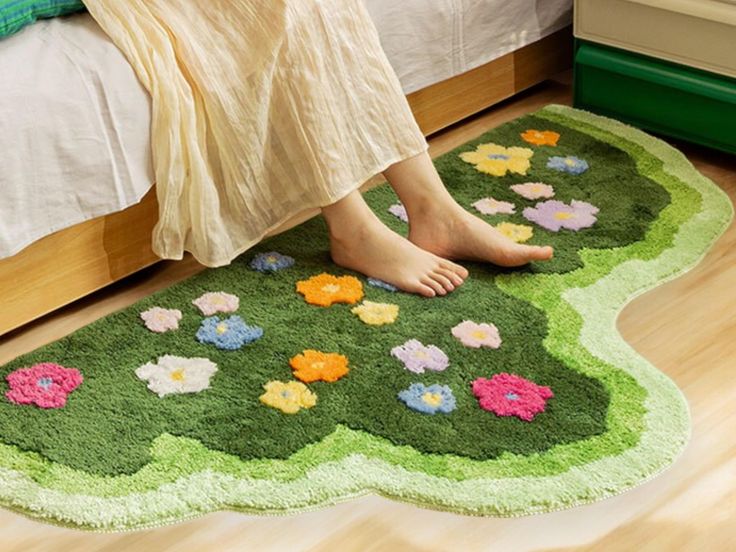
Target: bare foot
<point>361,242</point>
<point>448,230</point>
<point>439,225</point>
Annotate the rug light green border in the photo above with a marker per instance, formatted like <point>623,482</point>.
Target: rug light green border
<point>587,304</point>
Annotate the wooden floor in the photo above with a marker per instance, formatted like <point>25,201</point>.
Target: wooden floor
<point>687,328</point>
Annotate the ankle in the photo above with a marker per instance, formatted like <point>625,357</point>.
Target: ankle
<point>431,208</point>
<point>345,232</point>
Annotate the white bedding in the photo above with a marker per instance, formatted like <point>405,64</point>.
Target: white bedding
<point>75,121</point>
<point>74,130</point>
<point>429,41</point>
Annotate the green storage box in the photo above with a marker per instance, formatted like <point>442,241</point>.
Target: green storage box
<point>663,97</point>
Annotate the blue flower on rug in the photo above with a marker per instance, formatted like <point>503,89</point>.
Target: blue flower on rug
<point>428,399</point>
<point>375,282</point>
<point>230,333</point>
<point>569,164</point>
<point>271,262</point>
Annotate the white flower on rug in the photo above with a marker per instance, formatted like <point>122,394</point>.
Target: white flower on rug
<point>176,375</point>
<point>216,301</point>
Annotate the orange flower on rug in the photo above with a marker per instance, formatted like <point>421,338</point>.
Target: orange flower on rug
<point>313,365</point>
<point>326,289</point>
<point>541,137</point>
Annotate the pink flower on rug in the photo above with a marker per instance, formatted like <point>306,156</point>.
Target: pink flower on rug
<point>476,335</point>
<point>510,395</point>
<point>161,320</point>
<point>216,301</point>
<point>534,190</point>
<point>490,206</point>
<point>399,211</point>
<point>46,385</point>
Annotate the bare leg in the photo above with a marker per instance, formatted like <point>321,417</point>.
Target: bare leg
<point>361,242</point>
<point>439,225</point>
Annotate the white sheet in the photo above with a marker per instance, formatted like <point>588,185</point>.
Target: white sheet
<point>428,41</point>
<point>74,130</point>
<point>75,121</point>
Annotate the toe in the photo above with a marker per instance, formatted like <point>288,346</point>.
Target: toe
<point>434,284</point>
<point>543,253</point>
<point>413,285</point>
<point>456,268</point>
<point>443,280</point>
<point>519,255</point>
<point>454,277</point>
<point>425,290</point>
<point>533,253</point>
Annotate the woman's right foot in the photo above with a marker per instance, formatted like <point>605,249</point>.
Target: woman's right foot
<point>366,245</point>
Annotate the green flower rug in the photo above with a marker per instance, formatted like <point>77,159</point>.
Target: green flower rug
<point>282,383</point>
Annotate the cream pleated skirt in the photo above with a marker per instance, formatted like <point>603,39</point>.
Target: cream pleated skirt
<point>261,109</point>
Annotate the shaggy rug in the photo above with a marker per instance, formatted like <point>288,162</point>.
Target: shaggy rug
<point>282,383</point>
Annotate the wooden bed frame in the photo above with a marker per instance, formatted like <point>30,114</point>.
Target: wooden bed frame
<point>71,263</point>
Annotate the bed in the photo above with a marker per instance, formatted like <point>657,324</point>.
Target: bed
<point>77,199</point>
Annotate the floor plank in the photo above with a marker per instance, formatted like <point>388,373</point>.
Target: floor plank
<point>687,328</point>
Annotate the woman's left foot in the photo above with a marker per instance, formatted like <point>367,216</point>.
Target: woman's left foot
<point>451,232</point>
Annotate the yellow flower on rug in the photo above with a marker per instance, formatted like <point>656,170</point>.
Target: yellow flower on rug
<point>313,365</point>
<point>376,314</point>
<point>326,289</point>
<point>497,160</point>
<point>517,232</point>
<point>289,397</point>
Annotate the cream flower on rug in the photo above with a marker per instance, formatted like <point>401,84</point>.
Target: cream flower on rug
<point>176,375</point>
<point>534,190</point>
<point>376,314</point>
<point>474,335</point>
<point>490,206</point>
<point>216,301</point>
<point>161,320</point>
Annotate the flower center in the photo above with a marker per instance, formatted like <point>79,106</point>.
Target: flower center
<point>221,328</point>
<point>45,383</point>
<point>570,162</point>
<point>217,300</point>
<point>331,288</point>
<point>536,188</point>
<point>318,365</point>
<point>271,259</point>
<point>564,215</point>
<point>178,374</point>
<point>421,355</point>
<point>512,396</point>
<point>479,334</point>
<point>432,399</point>
<point>286,394</point>
<point>500,156</point>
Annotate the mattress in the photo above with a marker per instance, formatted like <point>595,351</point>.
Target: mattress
<point>75,126</point>
<point>75,140</point>
<point>696,33</point>
<point>431,41</point>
